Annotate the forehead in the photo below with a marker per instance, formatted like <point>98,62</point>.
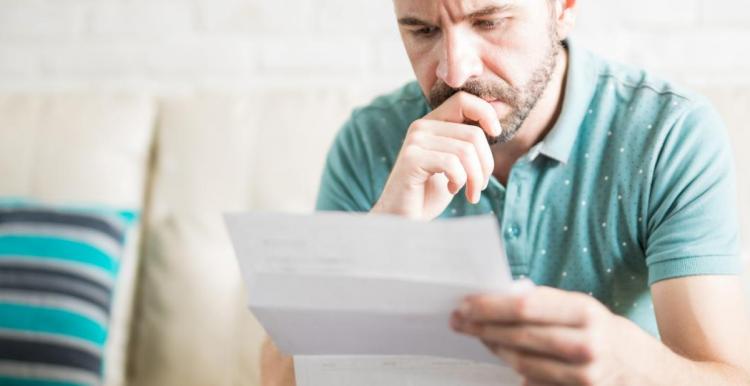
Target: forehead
<point>453,8</point>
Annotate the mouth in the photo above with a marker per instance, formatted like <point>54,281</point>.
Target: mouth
<point>495,102</point>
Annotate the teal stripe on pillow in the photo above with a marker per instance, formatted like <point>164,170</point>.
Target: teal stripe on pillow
<point>35,382</point>
<point>56,248</point>
<point>58,267</point>
<point>56,321</point>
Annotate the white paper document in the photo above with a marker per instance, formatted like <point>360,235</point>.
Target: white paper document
<point>357,294</point>
<point>399,370</point>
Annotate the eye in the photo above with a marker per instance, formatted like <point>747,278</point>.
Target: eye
<point>488,24</point>
<point>425,32</point>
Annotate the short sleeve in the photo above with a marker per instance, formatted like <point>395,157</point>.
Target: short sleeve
<point>692,226</point>
<point>345,184</point>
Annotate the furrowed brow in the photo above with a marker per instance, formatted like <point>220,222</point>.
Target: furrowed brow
<point>486,11</point>
<point>413,21</point>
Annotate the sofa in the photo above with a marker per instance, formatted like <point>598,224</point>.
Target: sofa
<point>179,315</point>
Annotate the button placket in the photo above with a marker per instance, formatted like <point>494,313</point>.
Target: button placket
<point>514,220</point>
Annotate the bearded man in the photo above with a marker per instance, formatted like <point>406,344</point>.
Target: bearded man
<point>614,191</point>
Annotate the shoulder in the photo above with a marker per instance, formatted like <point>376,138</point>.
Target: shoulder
<point>652,117</point>
<point>640,96</point>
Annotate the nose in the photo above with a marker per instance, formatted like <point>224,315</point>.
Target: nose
<point>460,60</point>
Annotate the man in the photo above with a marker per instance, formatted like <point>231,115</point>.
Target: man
<point>614,192</point>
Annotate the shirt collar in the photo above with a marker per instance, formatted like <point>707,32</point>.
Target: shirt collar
<point>580,86</point>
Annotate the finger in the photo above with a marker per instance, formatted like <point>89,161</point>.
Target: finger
<point>432,162</point>
<point>564,343</point>
<point>462,132</point>
<point>543,369</point>
<point>467,153</point>
<point>541,305</point>
<point>463,106</point>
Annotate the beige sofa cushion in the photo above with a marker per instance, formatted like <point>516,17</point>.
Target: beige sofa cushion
<point>219,153</point>
<point>89,150</point>
<point>191,326</point>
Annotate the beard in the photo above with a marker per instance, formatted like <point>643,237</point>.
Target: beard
<point>520,100</point>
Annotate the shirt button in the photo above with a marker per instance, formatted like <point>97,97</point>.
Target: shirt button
<point>513,232</point>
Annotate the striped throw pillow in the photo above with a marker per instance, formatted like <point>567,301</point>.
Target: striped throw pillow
<point>57,272</point>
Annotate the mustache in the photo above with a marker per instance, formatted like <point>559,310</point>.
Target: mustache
<point>488,90</point>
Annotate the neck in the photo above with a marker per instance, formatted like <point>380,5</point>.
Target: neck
<point>539,122</point>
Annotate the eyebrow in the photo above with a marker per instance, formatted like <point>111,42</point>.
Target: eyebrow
<point>490,10</point>
<point>486,11</point>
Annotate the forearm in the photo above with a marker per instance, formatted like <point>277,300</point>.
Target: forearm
<point>276,369</point>
<point>674,369</point>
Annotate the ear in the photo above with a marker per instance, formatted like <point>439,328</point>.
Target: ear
<point>565,17</point>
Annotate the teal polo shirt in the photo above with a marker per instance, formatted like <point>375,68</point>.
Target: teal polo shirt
<point>633,184</point>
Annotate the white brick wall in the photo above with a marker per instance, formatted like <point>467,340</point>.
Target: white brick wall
<point>169,45</point>
<point>176,45</point>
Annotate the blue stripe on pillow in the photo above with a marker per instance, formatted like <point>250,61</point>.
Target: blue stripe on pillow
<point>22,349</point>
<point>127,216</point>
<point>80,221</point>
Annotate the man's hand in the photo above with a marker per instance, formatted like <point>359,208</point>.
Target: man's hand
<point>276,369</point>
<point>441,154</point>
<point>555,337</point>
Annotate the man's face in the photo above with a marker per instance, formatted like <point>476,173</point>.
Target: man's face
<point>502,51</point>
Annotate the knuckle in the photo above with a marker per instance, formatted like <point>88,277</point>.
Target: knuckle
<point>523,365</point>
<point>418,125</point>
<point>415,137</point>
<point>464,151</point>
<point>521,335</point>
<point>590,312</point>
<point>585,352</point>
<point>521,307</point>
<point>479,308</point>
<point>410,152</point>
